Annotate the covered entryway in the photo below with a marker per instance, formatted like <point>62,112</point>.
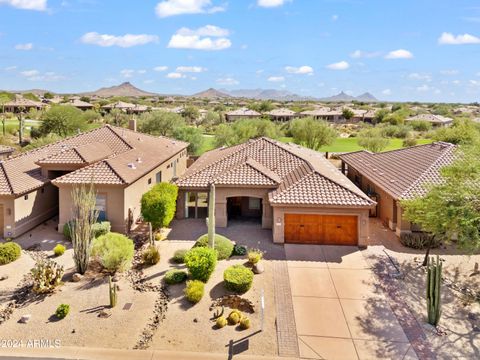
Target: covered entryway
<point>321,229</point>
<point>244,208</point>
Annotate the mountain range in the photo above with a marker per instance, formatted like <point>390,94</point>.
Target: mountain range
<point>124,89</point>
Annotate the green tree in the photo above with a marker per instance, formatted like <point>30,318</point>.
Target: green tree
<point>62,120</point>
<point>4,98</point>
<point>158,205</point>
<point>48,95</point>
<point>160,123</point>
<point>347,114</point>
<point>224,135</point>
<point>380,115</point>
<point>190,113</point>
<point>91,116</point>
<point>31,96</point>
<point>312,133</point>
<point>372,140</point>
<point>463,131</point>
<point>117,117</point>
<point>192,135</point>
<point>451,210</point>
<point>245,129</point>
<point>262,106</point>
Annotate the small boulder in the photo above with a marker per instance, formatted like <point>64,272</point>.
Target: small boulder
<point>116,278</point>
<point>3,277</point>
<point>258,268</point>
<point>77,277</point>
<point>25,319</point>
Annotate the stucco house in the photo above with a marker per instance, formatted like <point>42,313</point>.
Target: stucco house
<point>292,190</point>
<point>435,120</point>
<point>242,113</point>
<point>396,175</point>
<point>122,164</point>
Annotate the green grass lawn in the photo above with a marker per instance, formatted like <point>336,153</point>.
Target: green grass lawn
<point>339,145</point>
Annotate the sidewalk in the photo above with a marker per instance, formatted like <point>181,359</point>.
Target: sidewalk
<point>116,354</point>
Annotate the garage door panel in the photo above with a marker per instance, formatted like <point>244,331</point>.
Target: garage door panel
<point>321,229</point>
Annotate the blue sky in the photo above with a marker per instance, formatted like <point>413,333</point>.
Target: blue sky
<point>421,50</point>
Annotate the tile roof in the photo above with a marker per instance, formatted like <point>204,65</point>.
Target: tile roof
<point>295,174</point>
<point>116,146</point>
<point>437,119</point>
<point>403,173</point>
<point>243,112</point>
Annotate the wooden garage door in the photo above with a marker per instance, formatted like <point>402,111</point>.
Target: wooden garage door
<point>321,229</point>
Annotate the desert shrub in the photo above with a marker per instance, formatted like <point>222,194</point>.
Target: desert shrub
<point>409,141</point>
<point>59,250</point>
<point>418,240</point>
<point>179,256</point>
<point>238,278</point>
<point>245,323</point>
<point>99,229</point>
<point>9,252</point>
<point>47,275</point>
<point>175,276</point>
<point>159,204</point>
<point>62,311</point>
<point>420,125</point>
<point>221,322</point>
<point>114,251</point>
<point>254,256</point>
<point>151,255</point>
<point>223,245</point>
<point>239,250</point>
<point>159,236</point>
<point>201,262</point>
<point>194,290</point>
<point>234,317</point>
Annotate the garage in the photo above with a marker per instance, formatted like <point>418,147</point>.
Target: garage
<point>321,229</point>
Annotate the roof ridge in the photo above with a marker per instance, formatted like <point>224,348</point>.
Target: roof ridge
<point>415,146</point>
<point>360,195</point>
<point>287,184</point>
<point>271,174</point>
<point>109,127</point>
<point>111,167</point>
<point>113,128</point>
<point>80,155</point>
<point>7,178</point>
<point>417,181</point>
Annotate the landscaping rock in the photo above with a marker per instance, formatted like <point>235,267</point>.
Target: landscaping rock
<point>234,302</point>
<point>104,314</point>
<point>3,277</point>
<point>258,268</point>
<point>25,319</point>
<point>77,277</point>
<point>116,278</point>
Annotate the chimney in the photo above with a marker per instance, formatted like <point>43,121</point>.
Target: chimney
<point>132,124</point>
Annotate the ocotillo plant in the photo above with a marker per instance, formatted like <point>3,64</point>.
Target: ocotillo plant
<point>211,217</point>
<point>434,281</point>
<point>112,288</point>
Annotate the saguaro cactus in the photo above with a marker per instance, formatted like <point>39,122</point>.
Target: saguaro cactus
<point>112,288</point>
<point>434,281</point>
<point>211,217</point>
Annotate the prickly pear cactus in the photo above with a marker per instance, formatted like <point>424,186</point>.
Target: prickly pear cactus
<point>47,275</point>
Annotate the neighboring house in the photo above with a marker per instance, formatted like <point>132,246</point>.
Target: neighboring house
<point>282,114</point>
<point>20,104</point>
<point>396,175</point>
<point>122,164</point>
<point>126,107</point>
<point>79,104</point>
<point>335,116</point>
<point>435,120</point>
<point>292,190</point>
<point>242,113</point>
<point>5,152</point>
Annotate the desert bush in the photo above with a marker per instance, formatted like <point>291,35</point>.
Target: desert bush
<point>179,256</point>
<point>201,262</point>
<point>9,252</point>
<point>59,250</point>
<point>159,204</point>
<point>409,141</point>
<point>159,236</point>
<point>114,251</point>
<point>175,276</point>
<point>151,255</point>
<point>238,278</point>
<point>239,250</point>
<point>254,256</point>
<point>418,240</point>
<point>194,290</point>
<point>62,311</point>
<point>99,229</point>
<point>245,323</point>
<point>223,245</point>
<point>420,125</point>
<point>47,275</point>
<point>221,322</point>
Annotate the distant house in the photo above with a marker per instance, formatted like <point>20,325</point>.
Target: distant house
<point>79,104</point>
<point>20,104</point>
<point>126,107</point>
<point>392,176</point>
<point>435,120</point>
<point>241,114</point>
<point>290,189</point>
<point>282,114</point>
<point>324,114</point>
<point>5,152</point>
<point>121,163</point>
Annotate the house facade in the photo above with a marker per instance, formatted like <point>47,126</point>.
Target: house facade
<point>393,176</point>
<point>122,165</point>
<point>293,191</point>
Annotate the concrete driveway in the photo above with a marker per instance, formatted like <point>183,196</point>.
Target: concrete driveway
<point>340,311</point>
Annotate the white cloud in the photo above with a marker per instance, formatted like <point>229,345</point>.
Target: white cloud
<point>334,17</point>
<point>178,7</point>
<point>11,68</point>
<point>423,88</point>
<point>387,92</point>
<point>142,71</point>
<point>449,72</point>
<point>35,75</point>
<point>227,81</point>
<point>124,41</point>
<point>39,5</point>
<point>26,47</point>
<point>341,65</point>
<point>29,73</point>
<point>148,81</point>
<point>357,54</point>
<point>305,69</point>
<point>201,38</point>
<point>276,79</point>
<point>462,39</point>
<point>271,3</point>
<point>456,82</point>
<point>175,75</point>
<point>127,73</point>
<point>474,82</point>
<point>399,54</point>
<point>190,69</point>
<point>160,68</point>
<point>418,76</point>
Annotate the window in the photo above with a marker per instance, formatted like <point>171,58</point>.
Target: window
<point>42,190</point>
<point>149,181</point>
<point>253,203</point>
<point>158,177</point>
<point>101,206</point>
<point>26,197</point>
<point>174,169</point>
